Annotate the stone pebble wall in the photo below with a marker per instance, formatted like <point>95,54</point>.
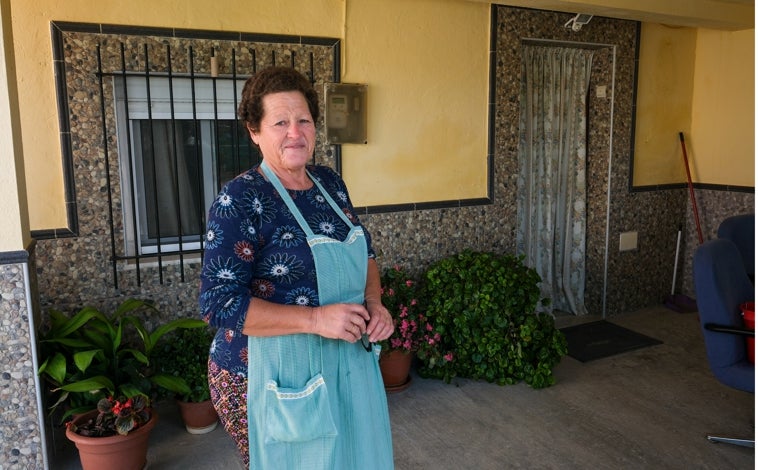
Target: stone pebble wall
<point>21,441</point>
<point>713,207</point>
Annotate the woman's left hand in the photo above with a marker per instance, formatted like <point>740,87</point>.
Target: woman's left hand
<point>380,326</point>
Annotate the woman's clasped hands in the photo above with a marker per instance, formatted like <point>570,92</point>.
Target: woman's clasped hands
<point>350,322</point>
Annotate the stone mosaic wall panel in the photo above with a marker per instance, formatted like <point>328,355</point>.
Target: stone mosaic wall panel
<point>713,207</point>
<point>21,443</point>
<point>614,43</point>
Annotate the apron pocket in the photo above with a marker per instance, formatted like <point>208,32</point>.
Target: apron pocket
<point>298,415</point>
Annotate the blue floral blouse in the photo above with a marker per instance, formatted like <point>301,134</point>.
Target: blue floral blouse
<point>255,247</point>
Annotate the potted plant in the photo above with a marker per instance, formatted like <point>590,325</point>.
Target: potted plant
<point>184,354</point>
<point>484,306</point>
<point>91,356</point>
<point>115,435</point>
<point>413,334</point>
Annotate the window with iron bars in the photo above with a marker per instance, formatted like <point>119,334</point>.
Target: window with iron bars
<point>183,143</point>
<point>149,135</point>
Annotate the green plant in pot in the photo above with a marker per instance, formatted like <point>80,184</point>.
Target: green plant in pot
<point>184,354</point>
<point>115,435</point>
<point>414,333</point>
<point>91,355</point>
<point>88,358</point>
<point>484,306</point>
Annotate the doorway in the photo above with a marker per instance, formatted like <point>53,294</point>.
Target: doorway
<point>552,153</point>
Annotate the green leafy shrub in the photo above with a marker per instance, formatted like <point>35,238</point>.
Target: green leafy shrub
<point>184,354</point>
<point>483,305</point>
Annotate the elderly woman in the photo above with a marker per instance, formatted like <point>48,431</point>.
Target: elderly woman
<point>289,278</point>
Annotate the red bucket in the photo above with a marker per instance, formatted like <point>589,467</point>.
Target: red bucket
<point>748,317</point>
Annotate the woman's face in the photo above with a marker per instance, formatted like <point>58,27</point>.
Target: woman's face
<point>287,133</point>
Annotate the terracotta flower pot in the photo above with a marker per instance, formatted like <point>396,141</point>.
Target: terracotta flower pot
<point>199,418</point>
<point>113,452</point>
<point>396,367</point>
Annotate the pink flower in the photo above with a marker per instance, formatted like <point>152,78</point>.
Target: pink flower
<point>412,329</point>
<point>448,357</point>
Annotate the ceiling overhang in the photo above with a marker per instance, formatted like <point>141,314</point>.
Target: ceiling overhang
<point>730,15</point>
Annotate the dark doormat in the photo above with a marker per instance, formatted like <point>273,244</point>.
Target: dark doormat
<point>599,339</point>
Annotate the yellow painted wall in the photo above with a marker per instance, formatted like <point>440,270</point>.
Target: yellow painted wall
<point>723,108</point>
<point>664,102</point>
<point>425,62</point>
<point>700,82</point>
<point>14,229</point>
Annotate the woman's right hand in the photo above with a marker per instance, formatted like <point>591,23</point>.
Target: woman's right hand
<point>340,321</point>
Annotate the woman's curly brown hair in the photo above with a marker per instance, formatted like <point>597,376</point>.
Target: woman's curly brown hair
<point>273,80</point>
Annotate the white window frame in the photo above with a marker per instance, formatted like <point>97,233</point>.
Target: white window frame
<point>206,110</point>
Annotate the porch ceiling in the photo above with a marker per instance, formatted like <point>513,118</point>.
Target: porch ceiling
<point>731,15</point>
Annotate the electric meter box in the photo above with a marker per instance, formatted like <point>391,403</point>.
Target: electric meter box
<point>345,113</point>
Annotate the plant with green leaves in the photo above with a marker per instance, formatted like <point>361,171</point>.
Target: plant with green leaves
<point>484,306</point>
<point>184,354</point>
<point>90,356</point>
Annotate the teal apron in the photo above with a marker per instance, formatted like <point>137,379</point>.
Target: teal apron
<point>314,402</point>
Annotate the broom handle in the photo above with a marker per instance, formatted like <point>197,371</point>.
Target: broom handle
<point>676,260</point>
<point>692,192</point>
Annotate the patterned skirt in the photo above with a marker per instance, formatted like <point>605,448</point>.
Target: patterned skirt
<point>229,397</point>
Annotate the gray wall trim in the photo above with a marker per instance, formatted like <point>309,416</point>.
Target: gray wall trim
<point>14,257</point>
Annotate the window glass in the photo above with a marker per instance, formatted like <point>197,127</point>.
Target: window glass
<point>180,156</point>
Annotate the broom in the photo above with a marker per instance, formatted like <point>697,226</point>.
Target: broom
<point>679,302</point>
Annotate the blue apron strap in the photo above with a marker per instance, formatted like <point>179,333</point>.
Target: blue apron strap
<point>291,204</point>
<point>334,205</point>
<point>286,197</point>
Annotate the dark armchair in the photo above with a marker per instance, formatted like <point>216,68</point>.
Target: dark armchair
<point>741,230</point>
<point>721,286</point>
